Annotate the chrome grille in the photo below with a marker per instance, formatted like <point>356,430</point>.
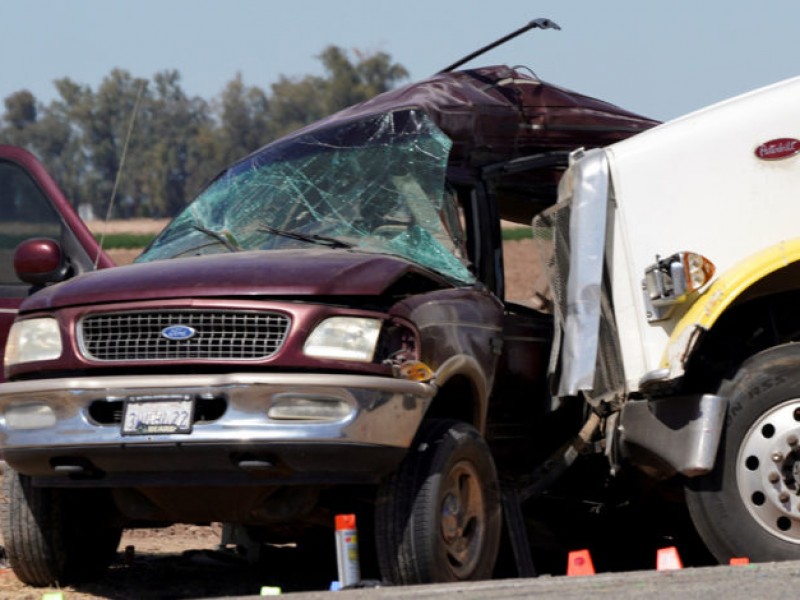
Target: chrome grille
<point>220,335</point>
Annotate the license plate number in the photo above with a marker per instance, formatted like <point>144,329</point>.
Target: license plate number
<point>148,415</point>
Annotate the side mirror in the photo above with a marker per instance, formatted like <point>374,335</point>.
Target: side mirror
<point>40,261</point>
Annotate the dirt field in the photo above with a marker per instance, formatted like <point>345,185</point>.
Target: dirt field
<point>182,561</point>
<point>139,226</point>
<point>128,226</point>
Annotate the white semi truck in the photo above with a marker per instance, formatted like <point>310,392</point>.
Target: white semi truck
<point>674,264</point>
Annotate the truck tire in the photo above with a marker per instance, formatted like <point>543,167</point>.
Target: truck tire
<point>438,517</point>
<point>56,536</point>
<point>749,505</point>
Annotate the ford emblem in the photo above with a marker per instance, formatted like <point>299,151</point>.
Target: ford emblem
<point>778,148</point>
<point>178,332</point>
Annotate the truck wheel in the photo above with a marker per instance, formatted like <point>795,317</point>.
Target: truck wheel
<point>438,516</point>
<point>56,536</point>
<point>749,505</point>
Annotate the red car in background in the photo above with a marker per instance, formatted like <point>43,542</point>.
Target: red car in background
<point>33,206</point>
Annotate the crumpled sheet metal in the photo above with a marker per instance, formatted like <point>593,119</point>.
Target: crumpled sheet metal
<point>497,113</point>
<point>587,232</point>
<point>574,266</point>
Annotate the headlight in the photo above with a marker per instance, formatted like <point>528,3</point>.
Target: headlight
<point>33,339</point>
<point>344,338</point>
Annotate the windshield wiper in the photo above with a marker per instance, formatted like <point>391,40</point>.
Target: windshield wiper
<point>311,238</point>
<point>222,238</point>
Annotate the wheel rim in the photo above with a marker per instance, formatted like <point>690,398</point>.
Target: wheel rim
<point>463,520</point>
<point>768,471</point>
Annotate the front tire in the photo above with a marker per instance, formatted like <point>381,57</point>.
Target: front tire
<point>56,536</point>
<point>749,505</point>
<point>438,517</point>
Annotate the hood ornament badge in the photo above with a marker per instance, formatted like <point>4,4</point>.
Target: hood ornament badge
<point>178,332</point>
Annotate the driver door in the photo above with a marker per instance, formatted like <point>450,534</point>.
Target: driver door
<point>32,205</point>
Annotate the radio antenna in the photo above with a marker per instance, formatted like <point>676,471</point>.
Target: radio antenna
<point>536,23</point>
<point>142,85</point>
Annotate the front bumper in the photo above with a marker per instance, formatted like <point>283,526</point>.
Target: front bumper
<point>240,445</point>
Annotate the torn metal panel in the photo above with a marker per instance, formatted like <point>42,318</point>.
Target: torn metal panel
<point>587,243</point>
<point>496,113</point>
<point>573,235</point>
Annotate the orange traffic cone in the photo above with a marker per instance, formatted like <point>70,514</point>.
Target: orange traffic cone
<point>579,562</point>
<point>667,559</point>
<point>740,560</point>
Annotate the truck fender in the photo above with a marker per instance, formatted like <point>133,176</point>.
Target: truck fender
<point>722,293</point>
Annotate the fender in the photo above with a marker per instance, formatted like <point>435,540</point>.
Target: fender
<point>712,303</point>
<point>467,366</point>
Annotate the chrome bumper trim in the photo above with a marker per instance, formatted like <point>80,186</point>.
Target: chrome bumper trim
<point>384,412</point>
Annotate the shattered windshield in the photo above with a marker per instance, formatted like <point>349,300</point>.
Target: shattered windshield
<point>371,185</point>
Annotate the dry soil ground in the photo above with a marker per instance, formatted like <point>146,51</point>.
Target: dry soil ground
<point>182,561</point>
<point>139,226</point>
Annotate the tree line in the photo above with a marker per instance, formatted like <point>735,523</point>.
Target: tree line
<point>177,142</point>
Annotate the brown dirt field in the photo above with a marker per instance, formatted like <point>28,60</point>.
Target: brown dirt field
<point>180,561</point>
<point>522,272</point>
<point>122,256</point>
<point>128,226</point>
<point>138,226</point>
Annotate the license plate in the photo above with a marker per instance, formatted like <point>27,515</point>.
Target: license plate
<point>153,415</point>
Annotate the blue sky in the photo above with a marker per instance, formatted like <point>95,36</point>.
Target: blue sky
<point>656,57</point>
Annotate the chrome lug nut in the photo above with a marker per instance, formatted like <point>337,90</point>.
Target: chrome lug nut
<point>783,497</point>
<point>792,440</point>
<point>777,456</point>
<point>774,477</point>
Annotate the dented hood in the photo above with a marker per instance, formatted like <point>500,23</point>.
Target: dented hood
<point>295,273</point>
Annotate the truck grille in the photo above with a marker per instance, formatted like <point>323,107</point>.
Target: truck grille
<point>219,335</point>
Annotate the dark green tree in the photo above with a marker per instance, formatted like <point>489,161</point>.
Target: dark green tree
<point>19,117</point>
<point>105,130</point>
<point>177,142</point>
<point>295,103</point>
<point>58,141</point>
<point>244,119</point>
<point>170,150</point>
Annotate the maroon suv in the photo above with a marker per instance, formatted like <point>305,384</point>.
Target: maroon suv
<point>323,329</point>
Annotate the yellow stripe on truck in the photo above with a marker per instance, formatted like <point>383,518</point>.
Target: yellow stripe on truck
<point>721,294</point>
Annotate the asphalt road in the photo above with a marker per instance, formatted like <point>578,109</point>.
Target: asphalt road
<point>766,580</point>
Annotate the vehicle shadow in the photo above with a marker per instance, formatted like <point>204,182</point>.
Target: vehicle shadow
<point>210,574</point>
